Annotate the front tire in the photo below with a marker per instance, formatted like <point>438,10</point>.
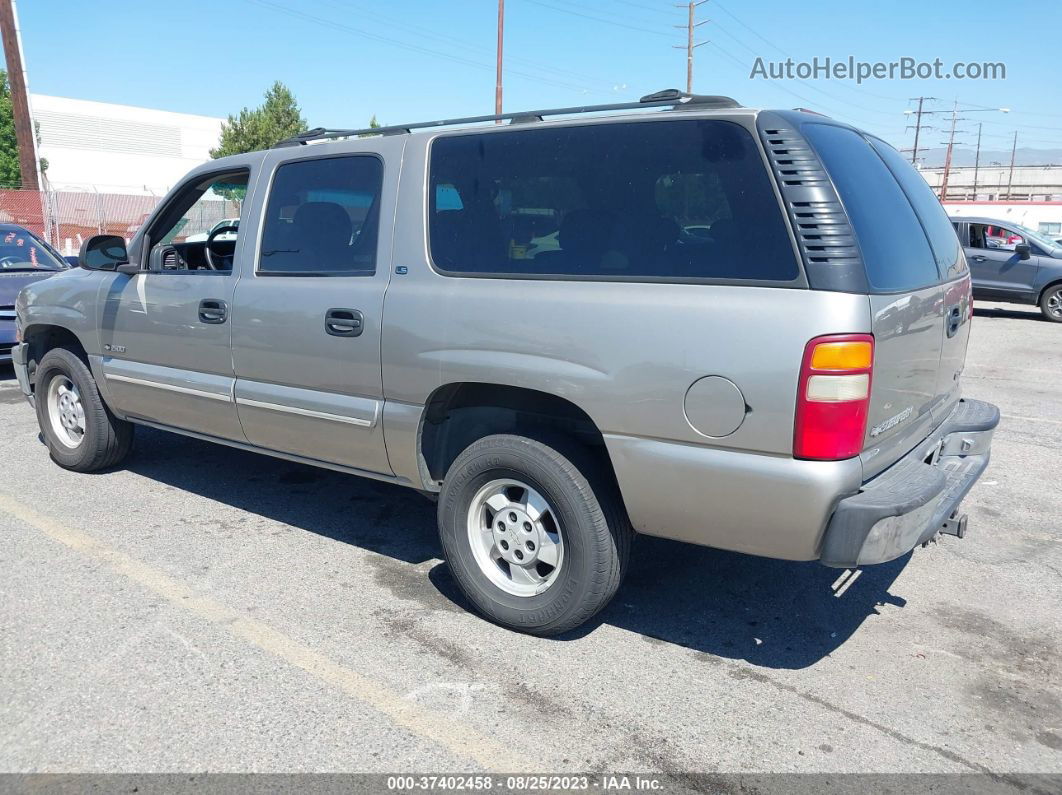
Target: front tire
<point>80,431</point>
<point>535,535</point>
<point>1051,303</point>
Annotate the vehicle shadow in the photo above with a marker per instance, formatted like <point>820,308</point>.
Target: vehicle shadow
<point>775,614</point>
<point>1031,313</point>
<point>7,372</point>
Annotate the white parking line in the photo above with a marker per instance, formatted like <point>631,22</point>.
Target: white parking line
<point>1030,419</point>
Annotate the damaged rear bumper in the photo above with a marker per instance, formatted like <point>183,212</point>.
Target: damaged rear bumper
<point>915,498</point>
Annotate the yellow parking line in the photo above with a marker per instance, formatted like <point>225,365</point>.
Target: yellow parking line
<point>424,723</point>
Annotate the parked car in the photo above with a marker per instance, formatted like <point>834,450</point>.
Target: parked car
<point>789,387</point>
<point>24,259</point>
<point>1011,263</point>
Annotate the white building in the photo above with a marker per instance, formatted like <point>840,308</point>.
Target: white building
<point>99,146</point>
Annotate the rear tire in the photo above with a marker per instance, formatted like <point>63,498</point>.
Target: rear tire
<point>1051,303</point>
<point>80,431</point>
<point>567,567</point>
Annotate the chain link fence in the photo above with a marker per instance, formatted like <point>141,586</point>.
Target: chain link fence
<point>66,218</point>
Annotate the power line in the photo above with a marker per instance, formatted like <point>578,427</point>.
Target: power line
<point>596,19</point>
<point>770,43</point>
<point>333,25</point>
<point>805,83</point>
<point>427,33</point>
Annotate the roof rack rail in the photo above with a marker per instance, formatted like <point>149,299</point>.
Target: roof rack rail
<point>669,97</point>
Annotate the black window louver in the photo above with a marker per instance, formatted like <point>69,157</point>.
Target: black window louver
<point>826,240</point>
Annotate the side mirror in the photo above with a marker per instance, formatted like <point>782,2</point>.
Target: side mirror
<point>1023,250</point>
<point>103,253</point>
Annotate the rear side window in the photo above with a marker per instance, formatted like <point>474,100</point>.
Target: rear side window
<point>891,239</point>
<point>938,227</point>
<point>322,218</point>
<point>669,200</point>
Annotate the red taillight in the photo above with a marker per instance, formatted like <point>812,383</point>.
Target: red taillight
<point>833,397</point>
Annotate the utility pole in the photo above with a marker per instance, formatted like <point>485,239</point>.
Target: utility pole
<point>501,40</point>
<point>947,157</point>
<point>1013,151</point>
<point>690,46</point>
<point>24,132</point>
<point>918,127</point>
<point>977,160</point>
<point>955,118</point>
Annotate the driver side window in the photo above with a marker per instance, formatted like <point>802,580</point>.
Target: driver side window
<point>198,231</point>
<point>989,236</point>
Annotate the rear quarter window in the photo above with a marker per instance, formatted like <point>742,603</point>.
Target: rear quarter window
<point>942,234</point>
<point>891,239</point>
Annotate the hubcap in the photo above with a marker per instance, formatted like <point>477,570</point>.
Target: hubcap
<point>1054,303</point>
<point>515,537</point>
<point>65,411</point>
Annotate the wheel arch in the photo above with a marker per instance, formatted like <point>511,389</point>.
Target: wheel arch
<point>1056,282</point>
<point>43,337</point>
<point>457,414</point>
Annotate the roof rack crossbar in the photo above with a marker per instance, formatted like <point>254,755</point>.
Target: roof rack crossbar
<point>668,98</point>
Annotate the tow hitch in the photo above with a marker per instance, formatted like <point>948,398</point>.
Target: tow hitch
<point>955,526</point>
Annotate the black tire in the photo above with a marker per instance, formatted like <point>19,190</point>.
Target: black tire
<point>107,439</point>
<point>1051,303</point>
<point>593,525</point>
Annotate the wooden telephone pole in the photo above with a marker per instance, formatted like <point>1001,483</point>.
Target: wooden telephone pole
<point>501,40</point>
<point>1010,178</point>
<point>24,132</point>
<point>690,46</point>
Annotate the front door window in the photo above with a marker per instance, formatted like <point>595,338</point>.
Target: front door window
<point>198,231</point>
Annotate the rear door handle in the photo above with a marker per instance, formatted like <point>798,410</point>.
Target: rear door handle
<point>954,320</point>
<point>213,310</point>
<point>344,322</point>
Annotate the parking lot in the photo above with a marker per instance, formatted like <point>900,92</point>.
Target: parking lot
<point>208,609</point>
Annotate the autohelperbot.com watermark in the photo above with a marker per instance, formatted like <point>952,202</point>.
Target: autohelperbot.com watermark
<point>851,68</point>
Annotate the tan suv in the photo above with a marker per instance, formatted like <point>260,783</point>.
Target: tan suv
<point>688,319</point>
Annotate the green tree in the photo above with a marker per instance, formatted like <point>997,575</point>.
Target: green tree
<point>274,120</point>
<point>373,125</point>
<point>10,174</point>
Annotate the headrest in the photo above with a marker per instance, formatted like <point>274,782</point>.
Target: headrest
<point>324,222</point>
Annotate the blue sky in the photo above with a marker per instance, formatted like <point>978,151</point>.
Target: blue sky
<point>407,60</point>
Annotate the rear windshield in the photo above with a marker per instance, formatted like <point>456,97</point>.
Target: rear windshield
<point>672,200</point>
<point>892,241</point>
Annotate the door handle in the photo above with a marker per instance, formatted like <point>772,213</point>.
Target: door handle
<point>954,320</point>
<point>213,310</point>
<point>344,322</point>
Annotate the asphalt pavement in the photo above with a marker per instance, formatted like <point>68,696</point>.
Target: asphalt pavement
<point>207,609</point>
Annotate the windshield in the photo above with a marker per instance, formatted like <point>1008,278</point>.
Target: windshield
<point>1045,243</point>
<point>21,250</point>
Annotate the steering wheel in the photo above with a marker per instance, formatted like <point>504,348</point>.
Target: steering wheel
<point>5,261</point>
<point>208,252</point>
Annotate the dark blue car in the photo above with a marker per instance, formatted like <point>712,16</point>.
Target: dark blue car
<point>24,259</point>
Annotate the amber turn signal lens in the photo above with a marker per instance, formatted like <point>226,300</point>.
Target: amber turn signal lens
<point>849,355</point>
